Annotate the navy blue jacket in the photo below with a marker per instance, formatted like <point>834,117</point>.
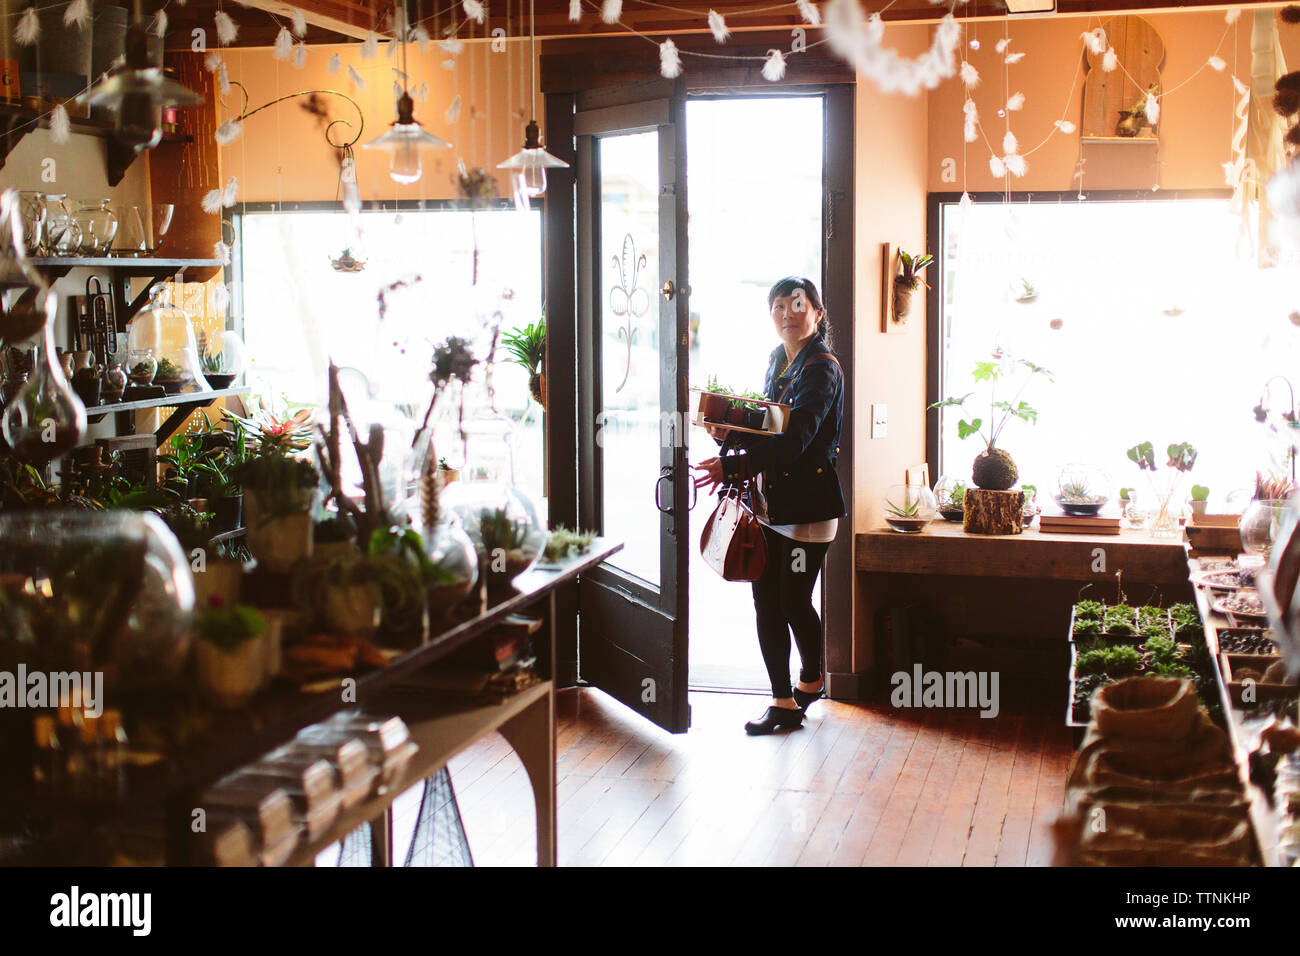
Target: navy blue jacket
<point>798,465</point>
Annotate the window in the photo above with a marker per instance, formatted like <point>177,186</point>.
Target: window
<point>297,311</point>
<point>1152,314</point>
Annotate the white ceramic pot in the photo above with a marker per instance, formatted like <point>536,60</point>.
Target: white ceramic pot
<point>1197,507</point>
<point>230,678</point>
<point>280,541</point>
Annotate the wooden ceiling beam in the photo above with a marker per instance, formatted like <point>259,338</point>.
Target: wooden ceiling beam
<point>342,17</point>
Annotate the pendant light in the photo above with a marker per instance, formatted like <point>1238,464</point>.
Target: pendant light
<point>405,138</point>
<point>531,163</point>
<point>138,92</point>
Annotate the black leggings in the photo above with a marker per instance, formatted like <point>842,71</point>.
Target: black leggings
<point>782,603</point>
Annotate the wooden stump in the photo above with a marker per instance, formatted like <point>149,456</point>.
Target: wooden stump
<point>993,512</point>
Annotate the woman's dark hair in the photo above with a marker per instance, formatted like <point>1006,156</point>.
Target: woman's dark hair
<point>787,286</point>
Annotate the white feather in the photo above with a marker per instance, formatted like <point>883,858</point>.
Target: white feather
<point>774,66</point>
<point>299,56</point>
<point>970,124</point>
<point>160,23</point>
<point>474,10</point>
<point>996,167</point>
<point>670,61</point>
<point>211,62</point>
<point>575,11</point>
<point>1002,45</point>
<point>355,77</point>
<point>1232,15</point>
<point>299,22</point>
<point>1065,126</point>
<point>228,132</point>
<point>78,13</point>
<point>223,79</point>
<point>420,93</point>
<point>1016,102</point>
<point>808,10</point>
<point>422,39</point>
<point>1015,164</point>
<point>1014,57</point>
<point>335,64</point>
<point>449,64</point>
<point>1217,63</point>
<point>1009,144</point>
<point>1111,60</point>
<point>390,48</point>
<point>60,125</point>
<point>397,90</point>
<point>1152,110</point>
<point>611,10</point>
<point>875,28</point>
<point>718,26</point>
<point>221,252</point>
<point>451,45</point>
<point>28,29</point>
<point>231,191</point>
<point>220,298</point>
<point>370,45</point>
<point>283,48</point>
<point>212,201</point>
<point>1095,40</point>
<point>969,75</point>
<point>857,38</point>
<point>227,29</point>
<point>453,110</point>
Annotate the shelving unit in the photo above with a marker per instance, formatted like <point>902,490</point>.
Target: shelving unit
<point>16,122</point>
<point>184,403</point>
<point>121,270</point>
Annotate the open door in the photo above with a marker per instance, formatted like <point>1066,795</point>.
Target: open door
<point>634,481</point>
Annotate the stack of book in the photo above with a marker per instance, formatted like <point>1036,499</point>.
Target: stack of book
<point>1078,524</point>
<point>492,667</point>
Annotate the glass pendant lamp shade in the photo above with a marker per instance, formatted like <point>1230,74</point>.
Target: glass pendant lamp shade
<point>531,163</point>
<point>404,139</point>
<point>138,92</point>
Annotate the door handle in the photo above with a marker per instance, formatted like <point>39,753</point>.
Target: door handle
<point>668,291</point>
<point>665,474</point>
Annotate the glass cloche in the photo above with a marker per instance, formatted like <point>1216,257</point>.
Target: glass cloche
<point>166,329</point>
<point>223,358</point>
<point>1082,489</point>
<point>94,591</point>
<point>950,497</point>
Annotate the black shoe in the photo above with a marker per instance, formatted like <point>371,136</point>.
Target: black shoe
<point>805,698</point>
<point>774,718</point>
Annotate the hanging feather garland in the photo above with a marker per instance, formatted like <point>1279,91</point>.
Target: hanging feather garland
<point>449,64</point>
<point>774,66</point>
<point>422,39</point>
<point>1016,102</point>
<point>370,45</point>
<point>221,252</point>
<point>970,76</point>
<point>335,63</point>
<point>355,77</point>
<point>1065,126</point>
<point>1110,61</point>
<point>223,79</point>
<point>1013,58</point>
<point>997,168</point>
<point>420,93</point>
<point>1002,45</point>
<point>575,11</point>
<point>1232,15</point>
<point>809,12</point>
<point>857,38</point>
<point>160,23</point>
<point>670,61</point>
<point>229,194</point>
<point>212,202</point>
<point>283,48</point>
<point>212,61</point>
<point>1095,41</point>
<point>473,9</point>
<point>227,29</point>
<point>451,45</point>
<point>300,56</point>
<point>397,90</point>
<point>611,11</point>
<point>1152,109</point>
<point>228,132</point>
<point>453,111</point>
<point>78,14</point>
<point>970,125</point>
<point>1216,63</point>
<point>1009,144</point>
<point>60,125</point>
<point>1015,164</point>
<point>28,29</point>
<point>718,26</point>
<point>299,23</point>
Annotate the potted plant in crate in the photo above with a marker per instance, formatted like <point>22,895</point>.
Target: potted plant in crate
<point>229,654</point>
<point>994,468</point>
<point>715,401</point>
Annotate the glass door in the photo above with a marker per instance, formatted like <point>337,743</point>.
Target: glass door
<point>635,484</point>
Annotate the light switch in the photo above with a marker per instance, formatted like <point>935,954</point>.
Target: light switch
<point>879,420</point>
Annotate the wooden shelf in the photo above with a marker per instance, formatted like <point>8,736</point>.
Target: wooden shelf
<point>16,122</point>
<point>59,266</point>
<point>183,402</point>
<point>441,730</point>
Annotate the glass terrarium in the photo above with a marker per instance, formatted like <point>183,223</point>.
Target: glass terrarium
<point>502,523</point>
<point>223,358</point>
<point>909,508</point>
<point>950,497</point>
<point>166,329</point>
<point>1082,489</point>
<point>94,591</point>
<point>1260,523</point>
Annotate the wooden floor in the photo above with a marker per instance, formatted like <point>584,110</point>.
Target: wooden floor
<point>857,785</point>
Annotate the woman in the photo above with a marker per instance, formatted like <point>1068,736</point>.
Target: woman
<point>798,501</point>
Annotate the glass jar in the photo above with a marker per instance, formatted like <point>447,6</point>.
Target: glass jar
<point>502,524</point>
<point>33,213</point>
<point>950,498</point>
<point>908,508</point>
<point>98,225</point>
<point>141,366</point>
<point>166,329</point>
<point>223,358</point>
<point>1082,489</point>
<point>62,232</point>
<point>45,420</point>
<point>1260,525</point>
<point>115,595</point>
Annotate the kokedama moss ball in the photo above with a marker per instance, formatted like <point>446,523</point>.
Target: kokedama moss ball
<point>1286,102</point>
<point>994,470</point>
<point>1291,14</point>
<point>1293,136</point>
<point>1288,81</point>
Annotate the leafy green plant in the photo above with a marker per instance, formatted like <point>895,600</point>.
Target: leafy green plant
<point>498,530</point>
<point>993,372</point>
<point>908,509</point>
<point>1091,610</point>
<point>272,434</point>
<point>912,267</point>
<point>229,628</point>
<point>526,345</point>
<point>1086,628</point>
<point>1126,494</point>
<point>1200,493</point>
<point>168,371</point>
<point>1182,456</point>
<point>564,543</point>
<point>1118,661</point>
<point>1118,620</point>
<point>1025,290</point>
<point>1031,493</point>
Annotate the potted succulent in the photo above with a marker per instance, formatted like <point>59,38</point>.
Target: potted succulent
<point>1082,489</point>
<point>755,412</point>
<point>505,545</point>
<point>527,347</point>
<point>908,281</point>
<point>994,468</point>
<point>214,370</point>
<point>340,593</point>
<point>950,498</point>
<point>1022,290</point>
<point>909,508</point>
<point>446,472</point>
<point>715,401</point>
<point>230,657</point>
<point>1199,500</point>
<point>171,376</point>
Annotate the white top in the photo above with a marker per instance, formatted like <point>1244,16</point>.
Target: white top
<point>813,532</point>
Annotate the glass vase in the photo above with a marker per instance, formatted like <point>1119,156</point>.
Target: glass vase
<point>45,420</point>
<point>1167,506</point>
<point>1259,525</point>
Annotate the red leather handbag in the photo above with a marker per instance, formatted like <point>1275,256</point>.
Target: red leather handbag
<point>732,540</point>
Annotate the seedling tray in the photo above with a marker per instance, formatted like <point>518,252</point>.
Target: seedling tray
<point>1264,690</point>
<point>775,422</point>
